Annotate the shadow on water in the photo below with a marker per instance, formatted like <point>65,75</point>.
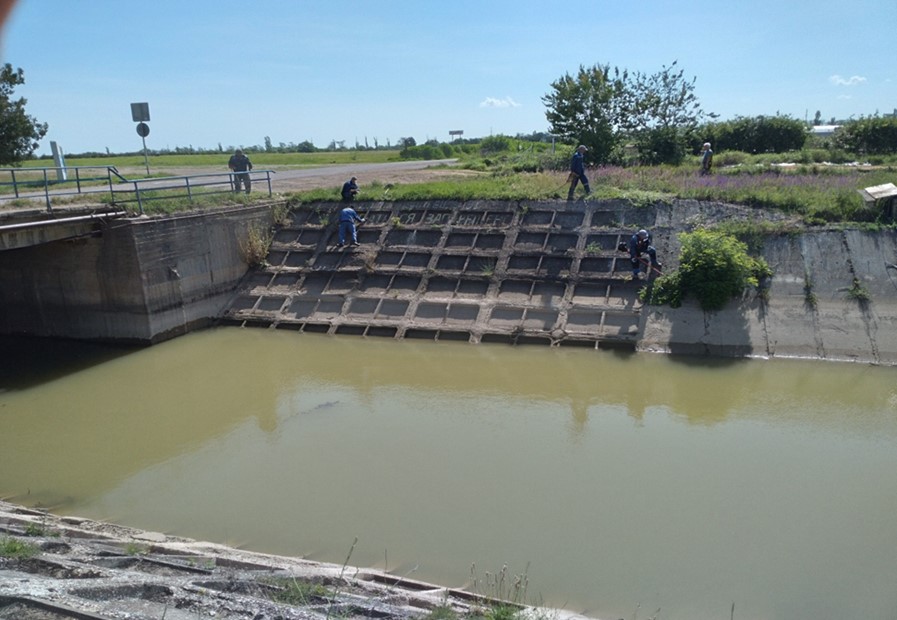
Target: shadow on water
<point>29,361</point>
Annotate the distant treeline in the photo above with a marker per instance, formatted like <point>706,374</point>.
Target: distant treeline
<point>408,147</point>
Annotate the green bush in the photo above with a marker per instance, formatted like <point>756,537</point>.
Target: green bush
<point>495,144</point>
<point>730,158</point>
<point>714,267</point>
<point>874,135</point>
<point>759,134</point>
<point>661,145</point>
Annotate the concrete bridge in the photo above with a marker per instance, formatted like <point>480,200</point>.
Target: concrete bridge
<point>32,227</point>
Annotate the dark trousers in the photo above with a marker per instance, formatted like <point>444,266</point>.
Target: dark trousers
<point>578,178</point>
<point>347,229</point>
<point>635,259</point>
<point>242,178</point>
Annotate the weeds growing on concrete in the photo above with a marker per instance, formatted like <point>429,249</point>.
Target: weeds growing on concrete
<point>17,549</point>
<point>501,586</point>
<point>810,297</point>
<point>39,529</point>
<point>254,248</point>
<point>713,267</point>
<point>291,591</point>
<point>858,292</point>
<point>135,548</point>
<point>336,592</point>
<point>443,612</point>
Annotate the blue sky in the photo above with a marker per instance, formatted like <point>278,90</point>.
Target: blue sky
<point>232,72</point>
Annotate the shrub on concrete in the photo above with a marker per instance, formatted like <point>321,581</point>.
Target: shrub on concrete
<point>714,267</point>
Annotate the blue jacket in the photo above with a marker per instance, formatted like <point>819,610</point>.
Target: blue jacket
<point>637,246</point>
<point>348,215</point>
<point>349,189</point>
<point>576,164</point>
<point>239,163</point>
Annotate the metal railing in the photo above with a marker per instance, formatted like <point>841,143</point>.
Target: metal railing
<point>36,183</point>
<point>189,186</point>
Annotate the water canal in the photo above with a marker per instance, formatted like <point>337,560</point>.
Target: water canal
<point>617,482</point>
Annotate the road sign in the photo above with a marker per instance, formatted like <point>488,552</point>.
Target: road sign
<point>140,112</point>
<point>142,130</point>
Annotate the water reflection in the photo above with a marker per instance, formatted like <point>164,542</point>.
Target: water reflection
<point>621,479</point>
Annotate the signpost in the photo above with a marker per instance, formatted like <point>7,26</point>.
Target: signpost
<point>140,114</point>
<point>456,132</point>
<point>59,161</point>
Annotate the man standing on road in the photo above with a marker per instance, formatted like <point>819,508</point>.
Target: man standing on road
<point>350,188</point>
<point>578,172</point>
<point>240,165</point>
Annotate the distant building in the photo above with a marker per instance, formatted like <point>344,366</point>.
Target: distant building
<point>824,131</point>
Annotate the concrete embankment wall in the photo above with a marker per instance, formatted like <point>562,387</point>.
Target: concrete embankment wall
<point>479,271</point>
<point>814,308</point>
<point>138,280</point>
<point>549,273</point>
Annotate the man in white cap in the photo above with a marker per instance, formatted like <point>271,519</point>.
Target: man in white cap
<point>706,158</point>
<point>640,243</point>
<point>578,172</point>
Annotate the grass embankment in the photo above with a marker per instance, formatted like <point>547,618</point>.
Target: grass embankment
<point>219,160</point>
<point>817,194</point>
<point>801,183</point>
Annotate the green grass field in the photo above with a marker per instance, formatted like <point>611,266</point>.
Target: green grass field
<point>207,160</point>
<point>817,193</point>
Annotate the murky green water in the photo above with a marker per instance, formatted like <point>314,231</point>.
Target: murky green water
<point>620,481</point>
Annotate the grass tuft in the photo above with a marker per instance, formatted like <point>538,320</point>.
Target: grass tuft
<point>16,549</point>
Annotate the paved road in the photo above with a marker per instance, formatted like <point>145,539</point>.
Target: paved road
<point>348,170</point>
<point>282,180</point>
<point>390,172</point>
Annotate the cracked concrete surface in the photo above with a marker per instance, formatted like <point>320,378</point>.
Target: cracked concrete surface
<point>87,570</point>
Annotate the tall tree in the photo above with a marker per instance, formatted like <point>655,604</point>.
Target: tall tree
<point>662,114</point>
<point>662,100</point>
<point>20,134</point>
<point>600,108</point>
<point>585,108</point>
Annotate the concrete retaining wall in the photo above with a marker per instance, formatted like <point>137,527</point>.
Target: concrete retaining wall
<point>549,273</point>
<point>477,271</point>
<point>139,280</point>
<point>811,309</point>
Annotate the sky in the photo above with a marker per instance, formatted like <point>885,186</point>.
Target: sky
<point>231,73</point>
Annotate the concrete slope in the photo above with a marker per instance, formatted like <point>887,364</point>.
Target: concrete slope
<point>474,271</point>
<point>549,273</point>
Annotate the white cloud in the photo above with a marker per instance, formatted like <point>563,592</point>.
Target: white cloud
<point>492,102</point>
<point>853,80</point>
